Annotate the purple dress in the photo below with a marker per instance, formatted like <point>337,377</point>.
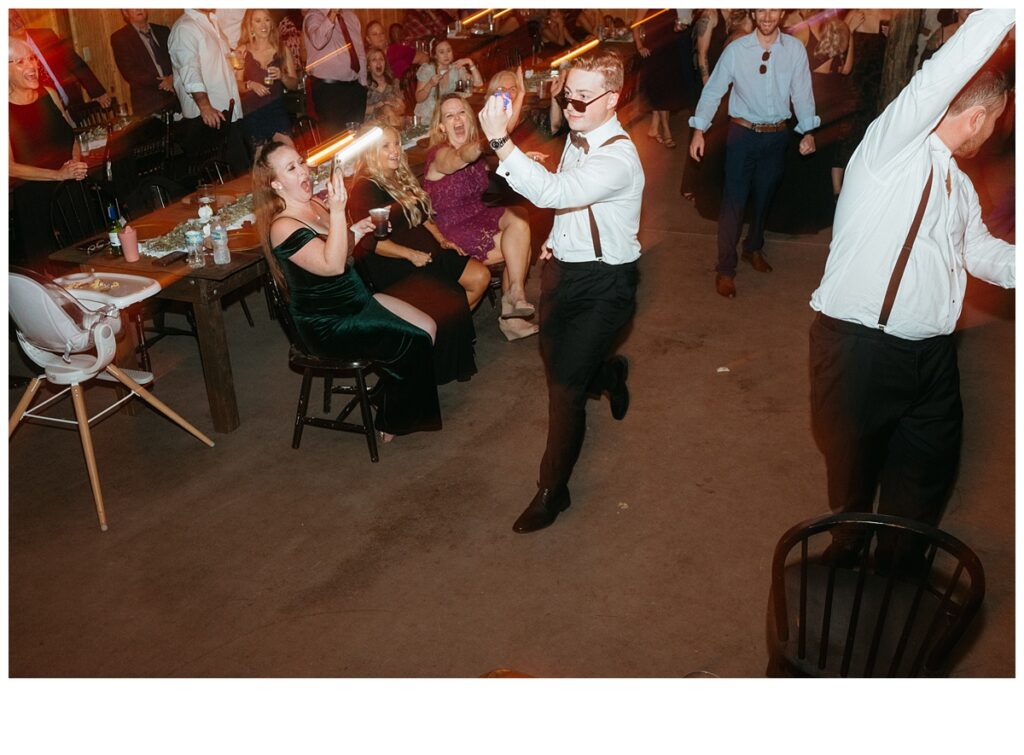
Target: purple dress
<point>458,209</point>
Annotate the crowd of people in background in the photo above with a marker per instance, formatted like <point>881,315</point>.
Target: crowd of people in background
<point>213,67</point>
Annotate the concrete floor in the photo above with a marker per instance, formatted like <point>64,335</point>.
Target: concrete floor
<point>253,559</point>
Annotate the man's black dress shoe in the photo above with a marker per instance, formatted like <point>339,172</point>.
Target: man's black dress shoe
<point>725,286</point>
<point>619,395</point>
<point>757,261</point>
<point>543,509</point>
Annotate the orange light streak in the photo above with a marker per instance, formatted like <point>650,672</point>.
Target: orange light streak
<point>322,153</point>
<point>648,18</point>
<point>587,46</point>
<point>502,13</point>
<point>470,19</point>
<point>347,147</point>
<point>328,56</point>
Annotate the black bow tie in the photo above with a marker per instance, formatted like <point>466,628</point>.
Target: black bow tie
<point>579,142</point>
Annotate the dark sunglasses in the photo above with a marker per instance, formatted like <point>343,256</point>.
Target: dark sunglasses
<point>578,105</point>
<point>764,60</point>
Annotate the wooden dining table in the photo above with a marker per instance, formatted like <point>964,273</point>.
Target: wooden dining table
<point>204,289</point>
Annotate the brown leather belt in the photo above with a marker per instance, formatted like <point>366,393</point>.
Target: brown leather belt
<point>761,128</point>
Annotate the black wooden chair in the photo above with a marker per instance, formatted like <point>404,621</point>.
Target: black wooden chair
<point>305,133</point>
<point>897,608</point>
<point>301,359</point>
<point>78,210</point>
<point>91,114</point>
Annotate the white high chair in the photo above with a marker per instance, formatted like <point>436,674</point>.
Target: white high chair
<point>56,330</point>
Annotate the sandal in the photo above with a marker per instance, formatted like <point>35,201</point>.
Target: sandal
<point>516,328</point>
<point>656,137</point>
<point>669,142</point>
<point>521,308</point>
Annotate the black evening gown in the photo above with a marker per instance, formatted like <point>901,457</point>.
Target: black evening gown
<point>337,317</point>
<point>804,202</point>
<point>866,78</point>
<point>667,78</point>
<point>433,288</point>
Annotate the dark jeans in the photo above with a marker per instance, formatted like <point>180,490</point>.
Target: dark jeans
<point>584,307</point>
<point>753,170</point>
<point>336,104</point>
<point>886,412</point>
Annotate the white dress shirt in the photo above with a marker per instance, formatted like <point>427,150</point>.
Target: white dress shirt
<point>229,21</point>
<point>882,190</point>
<point>199,57</point>
<point>609,180</point>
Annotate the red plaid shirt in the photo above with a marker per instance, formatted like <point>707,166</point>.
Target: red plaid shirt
<point>419,24</point>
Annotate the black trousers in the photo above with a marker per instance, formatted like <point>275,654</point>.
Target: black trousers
<point>336,104</point>
<point>887,415</point>
<point>195,136</point>
<point>584,307</point>
<point>754,165</point>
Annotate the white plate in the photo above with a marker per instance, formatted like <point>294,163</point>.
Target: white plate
<point>74,278</point>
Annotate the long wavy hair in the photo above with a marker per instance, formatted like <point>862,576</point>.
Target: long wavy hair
<point>267,205</point>
<point>403,186</point>
<point>437,136</point>
<point>245,33</point>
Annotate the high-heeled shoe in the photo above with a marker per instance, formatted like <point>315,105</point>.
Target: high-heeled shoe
<point>510,309</point>
<point>515,328</point>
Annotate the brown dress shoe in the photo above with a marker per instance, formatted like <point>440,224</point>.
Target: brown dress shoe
<point>725,286</point>
<point>757,261</point>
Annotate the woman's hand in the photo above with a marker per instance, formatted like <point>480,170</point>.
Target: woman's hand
<point>463,62</point>
<point>258,88</point>
<point>537,157</point>
<point>72,170</point>
<point>520,86</point>
<point>362,227</point>
<point>449,244</point>
<point>419,259</point>
<point>274,72</point>
<point>336,194</point>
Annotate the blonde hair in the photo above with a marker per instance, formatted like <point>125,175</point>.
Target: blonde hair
<point>245,32</point>
<point>267,205</point>
<point>492,85</point>
<point>403,186</point>
<point>835,39</point>
<point>606,63</point>
<point>437,136</point>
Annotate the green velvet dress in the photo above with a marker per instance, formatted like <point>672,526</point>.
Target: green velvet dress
<point>337,317</point>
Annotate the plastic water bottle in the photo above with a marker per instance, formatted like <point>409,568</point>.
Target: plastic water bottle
<point>194,245</point>
<point>219,237</point>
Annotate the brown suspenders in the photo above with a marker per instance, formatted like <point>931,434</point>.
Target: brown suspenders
<point>594,232</point>
<point>901,261</point>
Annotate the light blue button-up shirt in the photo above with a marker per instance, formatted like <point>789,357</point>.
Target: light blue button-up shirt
<point>760,97</point>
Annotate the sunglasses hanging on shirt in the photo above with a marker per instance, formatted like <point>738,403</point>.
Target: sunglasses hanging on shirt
<point>764,61</point>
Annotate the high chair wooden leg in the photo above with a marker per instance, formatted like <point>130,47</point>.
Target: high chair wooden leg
<point>157,404</point>
<point>26,399</point>
<point>82,415</point>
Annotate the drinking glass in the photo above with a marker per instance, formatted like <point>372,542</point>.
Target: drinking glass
<point>204,194</point>
<point>83,143</point>
<point>380,216</point>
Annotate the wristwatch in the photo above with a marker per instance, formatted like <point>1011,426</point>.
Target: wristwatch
<point>497,144</point>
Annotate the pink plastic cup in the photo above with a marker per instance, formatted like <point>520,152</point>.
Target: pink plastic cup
<point>129,244</point>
